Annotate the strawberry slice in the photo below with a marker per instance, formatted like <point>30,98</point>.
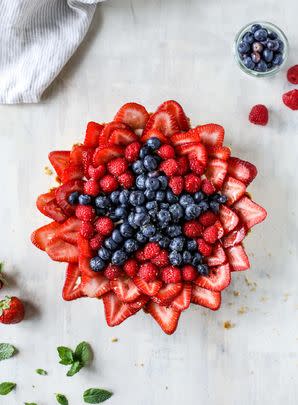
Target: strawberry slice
<point>228,218</point>
<point>242,170</point>
<point>72,285</point>
<point>166,317</point>
<point>139,303</point>
<point>154,133</point>
<point>107,132</point>
<point>104,155</point>
<point>115,311</point>
<point>47,205</point>
<point>216,171</point>
<point>176,111</point>
<point>93,132</point>
<point>235,237</point>
<point>61,251</point>
<point>72,172</point>
<point>122,136</point>
<point>206,298</point>
<point>150,288</point>
<point>84,264</point>
<point>220,229</point>
<point>191,136</point>
<point>194,150</point>
<point>59,160</point>
<point>182,301</point>
<point>167,293</point>
<point>249,212</point>
<point>132,114</point>
<point>62,193</point>
<point>219,152</point>
<point>125,289</point>
<point>69,230</point>
<point>211,134</point>
<point>84,247</point>
<point>43,199</point>
<point>218,256</point>
<point>95,286</point>
<point>164,122</point>
<point>237,258</point>
<point>233,189</point>
<point>218,279</point>
<point>42,236</point>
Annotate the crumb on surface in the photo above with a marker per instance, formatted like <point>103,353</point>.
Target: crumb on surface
<point>250,283</point>
<point>48,171</point>
<point>242,310</point>
<point>114,340</point>
<point>236,293</point>
<point>228,325</point>
<point>263,299</point>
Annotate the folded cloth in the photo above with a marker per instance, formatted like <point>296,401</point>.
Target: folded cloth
<point>37,38</point>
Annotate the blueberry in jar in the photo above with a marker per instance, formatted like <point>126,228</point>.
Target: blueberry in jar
<point>267,55</point>
<point>248,62</point>
<point>261,34</point>
<point>243,47</point>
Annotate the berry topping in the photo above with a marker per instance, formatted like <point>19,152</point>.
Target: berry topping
<point>148,272</point>
<point>85,212</point>
<point>292,74</point>
<point>108,183</point>
<point>290,99</point>
<point>259,115</point>
<point>104,226</point>
<point>117,166</point>
<point>171,274</point>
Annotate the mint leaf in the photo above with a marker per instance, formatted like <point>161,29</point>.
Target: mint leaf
<point>6,387</point>
<point>61,399</point>
<point>30,403</point>
<point>40,371</point>
<point>66,355</point>
<point>96,395</point>
<point>83,353</point>
<point>75,368</point>
<point>6,351</point>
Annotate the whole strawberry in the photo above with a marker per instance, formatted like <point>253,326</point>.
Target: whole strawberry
<point>11,310</point>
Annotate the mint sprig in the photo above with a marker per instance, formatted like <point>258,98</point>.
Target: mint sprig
<point>77,359</point>
<point>61,399</point>
<point>6,387</point>
<point>96,395</point>
<point>6,351</point>
<point>41,371</point>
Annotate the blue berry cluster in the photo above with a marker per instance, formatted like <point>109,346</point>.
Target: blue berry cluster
<point>149,212</point>
<point>261,50</point>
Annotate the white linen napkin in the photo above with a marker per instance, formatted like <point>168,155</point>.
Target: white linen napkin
<point>37,38</point>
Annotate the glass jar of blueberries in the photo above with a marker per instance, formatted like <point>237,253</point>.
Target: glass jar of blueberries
<point>261,49</point>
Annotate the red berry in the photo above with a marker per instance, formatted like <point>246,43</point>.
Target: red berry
<point>169,167</point>
<point>290,99</point>
<point>96,242</point>
<point>140,256</point>
<point>108,183</point>
<point>292,74</point>
<point>204,248</point>
<point>117,166</point>
<point>207,187</point>
<point>126,180</point>
<point>210,234</point>
<point>196,166</point>
<point>85,212</point>
<point>166,152</point>
<point>171,274</point>
<point>148,272</point>
<point>183,166</point>
<point>189,273</point>
<point>162,259</point>
<point>91,187</point>
<point>12,310</point>
<point>131,267</point>
<point>132,151</point>
<point>86,230</point>
<point>176,183</point>
<point>192,229</point>
<point>96,173</point>
<point>192,183</point>
<point>259,115</point>
<point>104,226</point>
<point>112,272</point>
<point>151,250</point>
<point>208,218</point>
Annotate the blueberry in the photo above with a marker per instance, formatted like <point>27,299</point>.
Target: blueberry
<point>119,257</point>
<point>186,200</point>
<point>175,258</point>
<point>149,194</point>
<point>114,197</point>
<point>110,244</point>
<point>174,230</point>
<point>153,214</point>
<point>203,269</point>
<point>140,182</point>
<point>116,236</point>
<point>255,57</point>
<point>148,230</point>
<point>177,244</point>
<point>73,198</point>
<point>138,167</point>
<point>141,237</point>
<point>261,34</point>
<point>150,163</point>
<point>120,212</point>
<point>102,202</point>
<point>267,55</point>
<point>97,264</point>
<point>257,47</point>
<point>281,45</point>
<point>104,253</point>
<point>272,35</point>
<point>243,47</point>
<point>191,245</point>
<point>145,150</point>
<point>160,196</point>
<point>248,38</point>
<point>152,184</point>
<point>272,44</point>
<point>151,205</point>
<point>196,259</point>
<point>126,230</point>
<point>176,212</point>
<point>141,210</point>
<point>278,59</point>
<point>164,242</point>
<point>222,199</point>
<point>131,220</point>
<point>214,206</point>
<point>171,197</point>
<point>156,238</point>
<point>153,143</point>
<point>131,245</point>
<point>255,27</point>
<point>163,182</point>
<point>261,66</point>
<point>154,173</point>
<point>192,211</point>
<point>137,198</point>
<point>187,257</point>
<point>204,205</point>
<point>124,197</point>
<point>248,62</point>
<point>164,217</point>
<point>199,196</point>
<point>164,206</point>
<point>141,219</point>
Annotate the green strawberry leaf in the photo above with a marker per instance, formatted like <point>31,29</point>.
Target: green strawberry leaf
<point>66,355</point>
<point>6,351</point>
<point>6,387</point>
<point>4,304</point>
<point>96,395</point>
<point>30,403</point>
<point>75,368</point>
<point>83,353</point>
<point>40,371</point>
<point>61,399</point>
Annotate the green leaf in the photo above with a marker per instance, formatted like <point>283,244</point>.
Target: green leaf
<point>6,351</point>
<point>66,355</point>
<point>75,368</point>
<point>5,304</point>
<point>83,353</point>
<point>6,387</point>
<point>40,371</point>
<point>30,403</point>
<point>96,395</point>
<point>61,399</point>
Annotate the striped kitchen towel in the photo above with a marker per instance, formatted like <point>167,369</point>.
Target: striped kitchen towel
<point>37,38</point>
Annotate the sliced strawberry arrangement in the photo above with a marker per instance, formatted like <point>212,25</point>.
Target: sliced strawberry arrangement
<point>150,213</point>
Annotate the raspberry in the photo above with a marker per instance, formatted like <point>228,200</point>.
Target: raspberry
<point>85,212</point>
<point>189,273</point>
<point>171,274</point>
<point>108,183</point>
<point>196,166</point>
<point>290,99</point>
<point>208,218</point>
<point>192,229</point>
<point>292,74</point>
<point>126,180</point>
<point>192,183</point>
<point>132,151</point>
<point>96,242</point>
<point>148,272</point>
<point>210,234</point>
<point>162,259</point>
<point>117,166</point>
<point>258,115</point>
<point>176,184</point>
<point>169,167</point>
<point>112,272</point>
<point>104,226</point>
<point>166,152</point>
<point>140,256</point>
<point>183,166</point>
<point>91,187</point>
<point>207,187</point>
<point>204,248</point>
<point>151,250</point>
<point>131,267</point>
<point>86,230</point>
<point>96,173</point>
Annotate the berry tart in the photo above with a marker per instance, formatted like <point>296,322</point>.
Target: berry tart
<point>149,214</point>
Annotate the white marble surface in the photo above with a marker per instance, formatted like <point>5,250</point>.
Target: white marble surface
<point>149,51</point>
